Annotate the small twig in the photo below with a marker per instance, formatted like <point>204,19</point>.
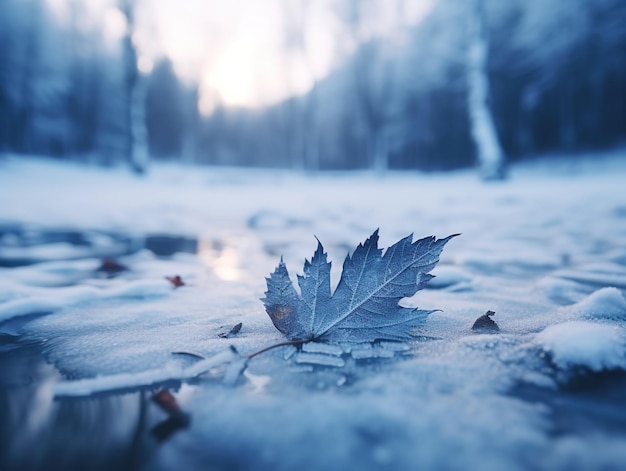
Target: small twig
<point>239,365</point>
<point>282,344</point>
<point>252,355</point>
<point>194,355</point>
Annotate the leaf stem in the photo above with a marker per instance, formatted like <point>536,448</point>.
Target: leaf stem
<point>276,345</point>
<point>191,354</point>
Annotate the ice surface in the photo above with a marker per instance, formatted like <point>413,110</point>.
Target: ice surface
<point>368,353</point>
<point>319,359</point>
<point>318,347</point>
<point>144,379</point>
<point>544,250</point>
<point>47,300</point>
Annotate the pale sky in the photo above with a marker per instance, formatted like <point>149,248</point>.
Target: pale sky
<point>236,50</point>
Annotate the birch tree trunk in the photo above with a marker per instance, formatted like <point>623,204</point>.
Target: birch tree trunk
<point>488,149</point>
<point>135,97</point>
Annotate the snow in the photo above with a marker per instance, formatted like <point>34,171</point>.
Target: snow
<point>144,379</point>
<point>48,300</point>
<point>585,344</point>
<point>603,304</point>
<point>544,250</point>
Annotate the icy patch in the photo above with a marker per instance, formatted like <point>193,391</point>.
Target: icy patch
<point>410,417</point>
<point>55,251</point>
<point>319,359</point>
<point>144,379</point>
<point>513,262</point>
<point>52,274</point>
<point>325,348</point>
<point>289,351</point>
<point>234,371</point>
<point>597,274</point>
<point>446,275</point>
<point>370,353</point>
<point>563,292</point>
<point>48,300</point>
<point>584,344</point>
<point>395,346</point>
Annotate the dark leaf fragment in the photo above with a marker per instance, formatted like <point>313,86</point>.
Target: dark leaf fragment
<point>234,331</point>
<point>111,266</point>
<point>485,323</point>
<point>177,419</point>
<point>176,281</point>
<point>166,402</point>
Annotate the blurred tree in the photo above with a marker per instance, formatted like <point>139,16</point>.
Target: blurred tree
<point>558,74</point>
<point>164,111</point>
<point>489,151</point>
<point>370,88</point>
<point>82,69</point>
<point>301,133</point>
<point>135,95</point>
<point>58,83</point>
<point>24,60</point>
<point>9,39</point>
<point>191,124</point>
<point>555,71</point>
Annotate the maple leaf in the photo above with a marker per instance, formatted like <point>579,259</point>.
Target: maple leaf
<point>364,307</point>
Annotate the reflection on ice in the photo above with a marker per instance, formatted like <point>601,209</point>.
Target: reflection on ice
<point>100,431</point>
<point>223,258</point>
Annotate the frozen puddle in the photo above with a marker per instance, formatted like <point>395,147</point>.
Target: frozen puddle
<point>116,431</point>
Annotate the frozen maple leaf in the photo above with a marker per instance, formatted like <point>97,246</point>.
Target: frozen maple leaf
<point>364,307</point>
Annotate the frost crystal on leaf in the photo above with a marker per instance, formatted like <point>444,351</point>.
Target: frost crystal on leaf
<point>364,307</point>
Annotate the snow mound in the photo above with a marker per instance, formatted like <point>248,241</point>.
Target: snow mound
<point>604,304</point>
<point>584,344</point>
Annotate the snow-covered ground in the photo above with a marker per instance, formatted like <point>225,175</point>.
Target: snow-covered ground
<point>545,250</point>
